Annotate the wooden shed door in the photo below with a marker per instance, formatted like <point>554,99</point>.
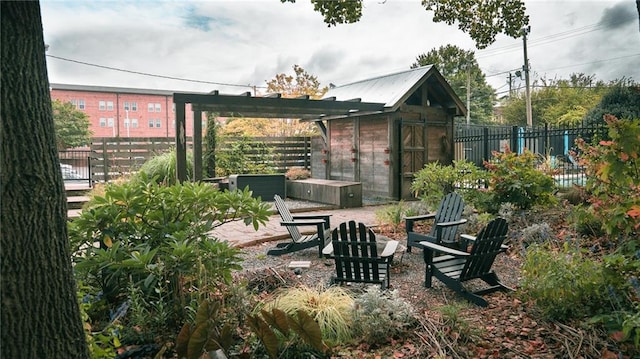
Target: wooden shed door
<point>412,152</point>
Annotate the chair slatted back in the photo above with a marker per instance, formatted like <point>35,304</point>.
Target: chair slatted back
<point>485,249</point>
<point>286,216</point>
<point>355,252</point>
<point>450,209</point>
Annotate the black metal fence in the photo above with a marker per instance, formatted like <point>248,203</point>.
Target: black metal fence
<point>553,145</point>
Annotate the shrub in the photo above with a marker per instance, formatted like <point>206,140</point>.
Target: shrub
<point>379,316</point>
<point>539,233</point>
<point>613,179</point>
<point>564,285</point>
<point>162,168</point>
<point>515,179</point>
<point>149,242</point>
<point>243,156</point>
<point>296,173</point>
<point>331,308</point>
<point>434,181</point>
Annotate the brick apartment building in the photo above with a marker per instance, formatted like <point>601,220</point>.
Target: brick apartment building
<point>125,112</point>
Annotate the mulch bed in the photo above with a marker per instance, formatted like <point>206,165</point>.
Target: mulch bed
<point>508,328</point>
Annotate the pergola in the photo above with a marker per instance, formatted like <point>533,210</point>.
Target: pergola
<point>246,105</point>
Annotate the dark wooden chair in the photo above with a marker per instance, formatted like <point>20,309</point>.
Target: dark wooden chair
<point>299,241</point>
<point>445,223</point>
<point>355,252</point>
<point>455,267</point>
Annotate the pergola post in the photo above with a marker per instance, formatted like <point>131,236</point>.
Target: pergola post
<point>181,142</point>
<point>197,145</point>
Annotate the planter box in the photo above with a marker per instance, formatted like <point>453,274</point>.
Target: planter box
<point>264,186</point>
<point>338,193</point>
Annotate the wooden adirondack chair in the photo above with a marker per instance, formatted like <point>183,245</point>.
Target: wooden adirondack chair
<point>455,267</point>
<point>355,252</point>
<point>445,223</point>
<point>299,241</point>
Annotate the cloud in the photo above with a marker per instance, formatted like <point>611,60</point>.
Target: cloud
<point>620,15</point>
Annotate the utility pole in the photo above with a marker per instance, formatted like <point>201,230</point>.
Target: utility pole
<point>525,31</point>
<point>468,94</point>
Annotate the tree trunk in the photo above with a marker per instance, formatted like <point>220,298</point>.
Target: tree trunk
<point>40,314</point>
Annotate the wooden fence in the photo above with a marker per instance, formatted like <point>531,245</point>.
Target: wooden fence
<point>116,156</point>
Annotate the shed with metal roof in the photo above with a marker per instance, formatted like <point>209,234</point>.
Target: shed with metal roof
<point>378,131</point>
<point>384,150</point>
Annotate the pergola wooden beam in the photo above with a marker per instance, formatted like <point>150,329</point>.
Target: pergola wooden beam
<point>248,106</point>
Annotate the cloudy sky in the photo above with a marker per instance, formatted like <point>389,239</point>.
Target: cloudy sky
<point>245,43</point>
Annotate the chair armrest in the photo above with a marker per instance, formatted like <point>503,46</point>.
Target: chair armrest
<point>420,217</point>
<point>452,223</point>
<point>324,217</point>
<point>443,249</point>
<point>302,223</point>
<point>467,238</point>
<point>389,249</point>
<point>408,221</point>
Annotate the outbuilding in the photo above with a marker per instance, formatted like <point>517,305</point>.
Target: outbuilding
<point>378,131</point>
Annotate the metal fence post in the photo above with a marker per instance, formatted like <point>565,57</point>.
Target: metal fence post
<point>485,143</point>
<point>514,139</point>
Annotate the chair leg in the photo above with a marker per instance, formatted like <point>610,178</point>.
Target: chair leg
<point>428,264</point>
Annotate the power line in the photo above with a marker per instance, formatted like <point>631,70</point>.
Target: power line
<point>152,75</point>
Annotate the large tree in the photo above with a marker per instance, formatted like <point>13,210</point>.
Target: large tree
<point>300,83</point>
<point>72,125</point>
<point>461,69</point>
<point>481,19</point>
<point>558,102</point>
<point>40,313</point>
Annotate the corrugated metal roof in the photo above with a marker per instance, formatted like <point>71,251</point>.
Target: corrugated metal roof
<point>388,89</point>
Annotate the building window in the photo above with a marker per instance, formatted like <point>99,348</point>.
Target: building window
<point>102,106</point>
<point>151,122</point>
<point>103,122</point>
<point>134,122</point>
<point>81,104</point>
<point>158,108</point>
<point>126,106</point>
<point>158,123</point>
<point>109,105</point>
<point>134,106</point>
<point>150,107</point>
<point>173,108</point>
<point>110,122</point>
<point>126,122</point>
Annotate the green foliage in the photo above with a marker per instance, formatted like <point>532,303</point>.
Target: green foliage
<point>434,181</point>
<point>613,176</point>
<point>143,238</point>
<point>284,333</point>
<point>379,316</point>
<point>457,326</point>
<point>586,221</point>
<point>482,20</point>
<point>71,125</point>
<point>537,233</point>
<point>559,102</point>
<point>621,101</point>
<point>331,308</point>
<point>208,333</point>
<point>243,156</point>
<point>392,215</point>
<point>515,179</point>
<point>459,66</point>
<point>564,285</point>
<point>101,344</point>
<point>162,168</point>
